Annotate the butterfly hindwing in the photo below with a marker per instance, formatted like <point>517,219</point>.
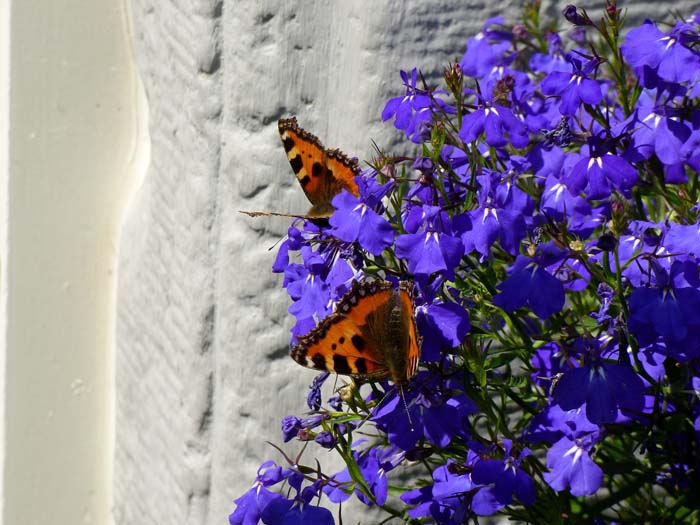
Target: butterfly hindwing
<point>371,335</point>
<point>322,173</point>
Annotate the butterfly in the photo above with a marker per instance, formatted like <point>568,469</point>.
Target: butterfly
<point>371,335</point>
<point>322,173</point>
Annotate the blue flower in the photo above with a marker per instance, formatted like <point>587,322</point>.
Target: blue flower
<point>251,507</point>
<point>354,220</point>
<point>443,325</point>
<point>430,251</point>
<point>311,297</point>
<point>549,361</point>
<point>288,512</point>
<point>373,463</point>
<point>559,204</point>
<point>657,130</point>
<point>500,216</point>
<point>498,123</point>
<point>313,400</point>
<point>667,312</point>
<point>554,60</point>
<point>291,425</point>
<point>413,112</point>
<point>552,423</point>
<point>507,476</point>
<point>574,87</point>
<point>666,53</point>
<point>486,51</point>
<point>571,466</point>
<point>529,284</point>
<point>604,387</point>
<point>450,493</point>
<point>432,414</point>
<point>600,172</point>
<point>432,247</point>
<point>683,238</point>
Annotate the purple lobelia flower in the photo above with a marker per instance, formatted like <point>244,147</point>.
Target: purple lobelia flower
<point>500,215</point>
<point>559,204</point>
<point>603,386</point>
<point>667,312</point>
<point>449,498</point>
<point>548,361</point>
<point>682,238</point>
<point>529,284</point>
<point>432,250</point>
<point>600,171</point>
<point>433,414</point>
<point>252,505</point>
<point>443,325</point>
<point>373,464</point>
<point>486,51</point>
<point>413,112</point>
<point>666,54</point>
<point>574,87</point>
<point>313,400</point>
<point>355,220</point>
<point>657,129</point>
<point>281,511</point>
<point>310,295</point>
<point>554,60</point>
<point>572,466</point>
<point>497,122</point>
<point>291,425</point>
<point>506,476</point>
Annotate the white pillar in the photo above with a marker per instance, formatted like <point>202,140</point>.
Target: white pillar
<point>73,148</point>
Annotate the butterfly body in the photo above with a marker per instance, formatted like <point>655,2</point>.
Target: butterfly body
<point>322,173</point>
<point>372,335</point>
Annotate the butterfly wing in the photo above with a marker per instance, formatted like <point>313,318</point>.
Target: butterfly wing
<point>321,173</point>
<point>371,335</point>
<point>413,342</point>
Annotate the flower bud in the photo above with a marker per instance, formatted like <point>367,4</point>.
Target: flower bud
<point>575,17</point>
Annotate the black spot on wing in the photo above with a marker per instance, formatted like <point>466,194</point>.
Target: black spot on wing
<point>296,163</point>
<point>319,362</point>
<point>358,342</point>
<point>361,365</point>
<point>288,143</point>
<point>304,181</point>
<point>340,364</point>
<point>317,169</point>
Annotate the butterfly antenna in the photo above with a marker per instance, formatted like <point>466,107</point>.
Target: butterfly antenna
<point>277,242</point>
<point>405,406</point>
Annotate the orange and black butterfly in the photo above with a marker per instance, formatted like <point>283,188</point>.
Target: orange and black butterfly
<point>322,173</point>
<point>371,336</point>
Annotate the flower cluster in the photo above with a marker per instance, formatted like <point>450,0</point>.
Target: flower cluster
<point>550,225</point>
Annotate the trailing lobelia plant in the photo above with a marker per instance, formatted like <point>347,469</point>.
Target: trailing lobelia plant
<point>547,241</point>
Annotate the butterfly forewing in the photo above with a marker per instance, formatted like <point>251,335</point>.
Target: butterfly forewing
<point>322,173</point>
